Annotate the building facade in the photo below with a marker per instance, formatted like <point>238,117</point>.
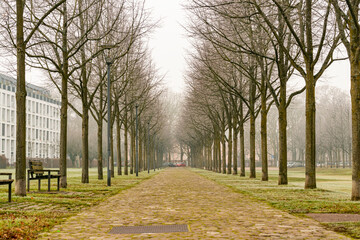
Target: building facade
<point>42,121</point>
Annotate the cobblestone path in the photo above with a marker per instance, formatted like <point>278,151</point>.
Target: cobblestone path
<point>179,196</point>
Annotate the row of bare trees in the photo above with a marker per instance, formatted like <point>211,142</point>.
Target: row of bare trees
<point>65,40</point>
<point>246,54</point>
<point>333,121</point>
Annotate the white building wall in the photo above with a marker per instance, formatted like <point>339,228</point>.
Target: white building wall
<point>42,121</point>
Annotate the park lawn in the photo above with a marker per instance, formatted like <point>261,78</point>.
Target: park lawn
<point>332,195</point>
<point>25,217</point>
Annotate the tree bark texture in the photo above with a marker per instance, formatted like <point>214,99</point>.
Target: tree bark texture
<point>242,141</point>
<point>230,148</point>
<point>64,102</point>
<point>100,149</point>
<point>126,159</point>
<point>20,172</point>
<point>118,144</point>
<point>112,162</point>
<point>264,158</point>
<point>355,105</point>
<point>252,130</point>
<point>310,155</point>
<point>85,146</point>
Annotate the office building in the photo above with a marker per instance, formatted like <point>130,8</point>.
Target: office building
<point>42,121</point>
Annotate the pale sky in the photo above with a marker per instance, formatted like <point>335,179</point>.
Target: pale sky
<point>169,42</point>
<point>169,46</point>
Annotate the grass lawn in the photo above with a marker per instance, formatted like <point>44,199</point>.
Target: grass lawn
<point>332,195</point>
<point>25,217</point>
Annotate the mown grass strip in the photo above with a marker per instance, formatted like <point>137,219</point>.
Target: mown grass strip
<point>331,196</point>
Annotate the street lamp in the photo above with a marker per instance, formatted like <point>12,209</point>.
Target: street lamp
<point>137,142</point>
<point>109,61</point>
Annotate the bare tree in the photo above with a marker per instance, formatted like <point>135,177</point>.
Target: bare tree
<point>23,16</point>
<point>347,16</point>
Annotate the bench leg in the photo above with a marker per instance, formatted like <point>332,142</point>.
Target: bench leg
<point>39,184</point>
<point>58,184</point>
<point>49,183</point>
<point>10,192</point>
<point>28,182</point>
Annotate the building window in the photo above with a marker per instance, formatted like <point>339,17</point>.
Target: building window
<point>3,146</point>
<point>12,101</point>
<point>12,146</point>
<point>3,129</point>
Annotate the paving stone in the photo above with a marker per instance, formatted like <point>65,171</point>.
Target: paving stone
<point>179,196</point>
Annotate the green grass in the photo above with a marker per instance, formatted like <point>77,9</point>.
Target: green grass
<point>25,217</point>
<point>332,195</point>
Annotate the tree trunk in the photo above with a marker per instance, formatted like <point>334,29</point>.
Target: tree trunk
<point>214,155</point>
<point>118,142</point>
<point>242,142</point>
<point>141,164</point>
<point>355,108</point>
<point>100,149</point>
<point>235,149</point>
<point>85,145</point>
<point>343,156</point>
<point>252,130</point>
<point>282,180</point>
<point>181,153</point>
<point>112,162</point>
<point>20,174</point>
<point>310,177</point>
<point>64,102</point>
<point>230,148</point>
<point>126,159</point>
<point>84,99</point>
<point>132,143</point>
<point>223,150</point>
<point>263,130</point>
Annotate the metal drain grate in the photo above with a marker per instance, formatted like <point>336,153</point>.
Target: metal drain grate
<point>149,229</point>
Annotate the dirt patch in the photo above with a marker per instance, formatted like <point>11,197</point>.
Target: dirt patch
<point>334,217</point>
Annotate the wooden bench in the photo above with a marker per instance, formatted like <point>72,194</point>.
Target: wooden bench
<point>8,182</point>
<point>37,172</point>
